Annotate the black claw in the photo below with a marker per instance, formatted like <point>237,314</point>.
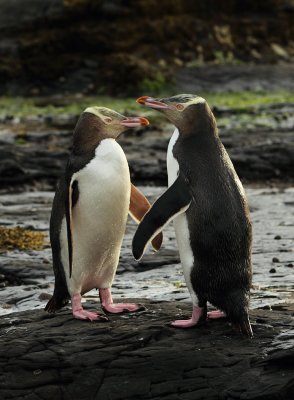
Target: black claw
<point>103,318</point>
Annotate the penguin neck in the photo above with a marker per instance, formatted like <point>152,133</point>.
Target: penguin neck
<point>200,142</point>
<point>86,144</point>
<point>200,122</point>
<point>201,135</point>
<point>199,138</point>
<point>87,135</point>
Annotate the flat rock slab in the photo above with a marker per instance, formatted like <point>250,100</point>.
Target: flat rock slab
<point>138,356</point>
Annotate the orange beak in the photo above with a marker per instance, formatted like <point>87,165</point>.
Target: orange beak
<point>153,103</point>
<point>134,122</point>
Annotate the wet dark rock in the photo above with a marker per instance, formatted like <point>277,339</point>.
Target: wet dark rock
<point>272,270</point>
<point>140,356</point>
<point>39,156</point>
<point>275,260</point>
<point>277,237</point>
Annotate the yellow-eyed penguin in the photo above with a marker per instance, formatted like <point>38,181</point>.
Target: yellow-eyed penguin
<point>89,213</point>
<point>211,217</point>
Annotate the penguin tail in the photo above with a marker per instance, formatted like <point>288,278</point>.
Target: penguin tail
<point>55,304</point>
<point>236,307</point>
<point>244,327</point>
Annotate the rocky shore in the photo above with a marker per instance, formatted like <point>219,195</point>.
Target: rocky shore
<point>126,49</point>
<point>140,356</point>
<point>33,150</point>
<point>26,277</point>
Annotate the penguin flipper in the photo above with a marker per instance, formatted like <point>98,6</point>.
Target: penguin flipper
<point>173,202</point>
<point>139,205</point>
<point>70,202</point>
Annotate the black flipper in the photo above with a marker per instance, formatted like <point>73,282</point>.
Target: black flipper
<point>174,201</point>
<point>70,201</point>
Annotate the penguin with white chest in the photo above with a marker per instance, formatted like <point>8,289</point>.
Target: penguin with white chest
<point>89,213</point>
<point>211,217</point>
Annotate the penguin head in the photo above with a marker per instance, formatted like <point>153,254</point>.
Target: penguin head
<point>112,123</point>
<point>98,123</point>
<point>181,110</point>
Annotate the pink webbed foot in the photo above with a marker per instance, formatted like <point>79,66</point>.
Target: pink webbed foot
<point>122,307</point>
<point>88,315</point>
<point>79,313</point>
<point>197,315</point>
<point>110,307</point>
<point>216,314</point>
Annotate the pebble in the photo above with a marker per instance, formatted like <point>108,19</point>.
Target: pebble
<point>37,372</point>
<point>44,286</point>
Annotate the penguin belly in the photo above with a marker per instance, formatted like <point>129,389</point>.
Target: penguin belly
<point>99,219</point>
<point>180,222</point>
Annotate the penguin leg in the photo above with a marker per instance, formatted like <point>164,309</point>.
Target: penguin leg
<point>215,314</point>
<point>110,307</point>
<point>199,313</point>
<point>79,313</point>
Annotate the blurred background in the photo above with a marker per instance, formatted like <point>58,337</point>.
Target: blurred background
<point>124,46</point>
<point>59,56</point>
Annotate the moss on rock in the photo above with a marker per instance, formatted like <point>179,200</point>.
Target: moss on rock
<point>20,238</point>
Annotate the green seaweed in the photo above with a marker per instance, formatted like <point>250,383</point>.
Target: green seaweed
<point>24,107</point>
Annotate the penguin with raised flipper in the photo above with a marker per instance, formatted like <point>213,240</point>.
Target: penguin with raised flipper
<point>211,216</point>
<point>90,211</point>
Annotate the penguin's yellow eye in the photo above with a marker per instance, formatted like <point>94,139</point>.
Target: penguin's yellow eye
<point>107,120</point>
<point>180,107</point>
